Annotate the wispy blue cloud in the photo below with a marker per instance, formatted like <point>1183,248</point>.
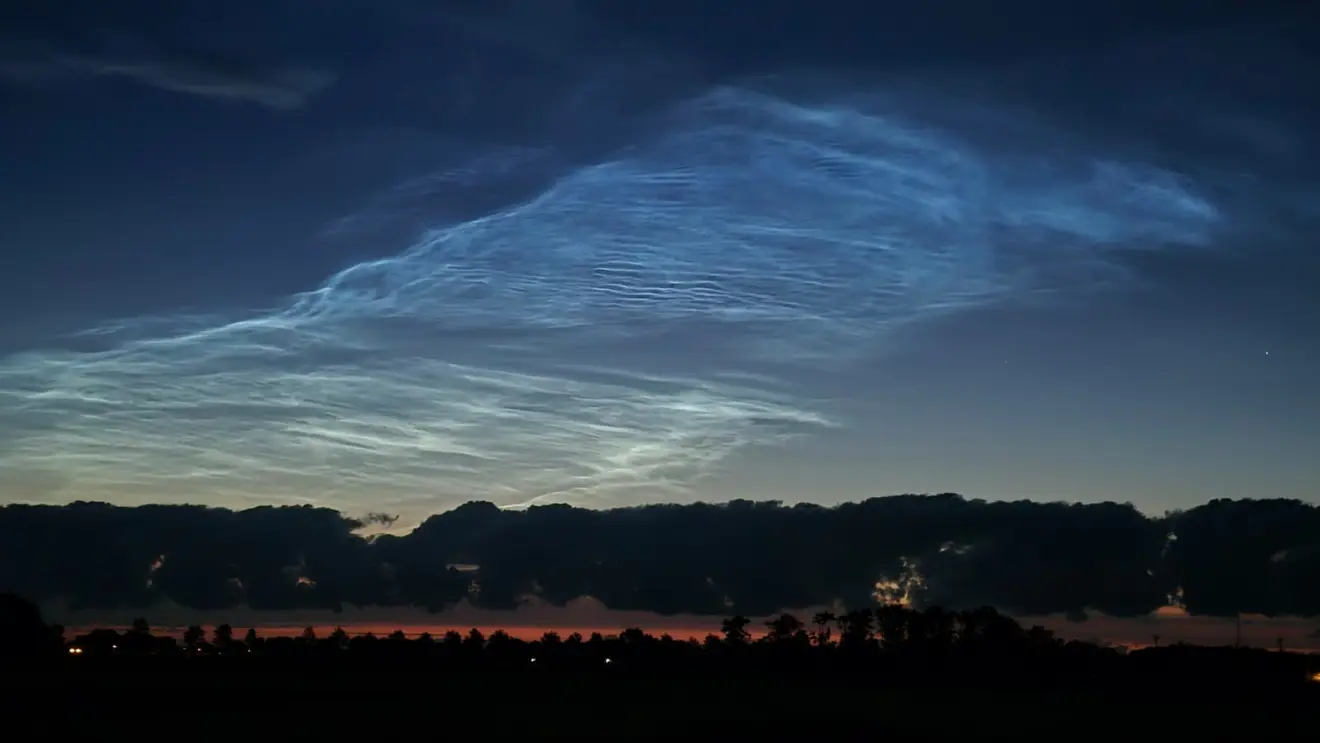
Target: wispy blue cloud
<point>528,355</point>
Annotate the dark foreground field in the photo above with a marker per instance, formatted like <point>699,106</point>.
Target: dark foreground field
<point>394,705</point>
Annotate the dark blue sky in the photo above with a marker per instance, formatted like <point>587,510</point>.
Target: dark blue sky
<point>803,251</point>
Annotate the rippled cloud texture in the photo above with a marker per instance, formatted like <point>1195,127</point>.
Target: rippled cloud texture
<point>525,356</point>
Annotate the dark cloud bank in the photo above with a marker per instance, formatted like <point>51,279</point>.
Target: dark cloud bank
<point>1219,559</point>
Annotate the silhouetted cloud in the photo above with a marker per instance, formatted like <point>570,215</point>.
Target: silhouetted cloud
<point>1260,557</point>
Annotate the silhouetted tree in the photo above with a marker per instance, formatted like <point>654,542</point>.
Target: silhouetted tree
<point>338,639</point>
<point>735,630</point>
<point>893,623</point>
<point>1040,637</point>
<point>857,629</point>
<point>24,636</point>
<point>783,628</point>
<point>137,640</point>
<point>823,620</point>
<point>223,636</point>
<point>890,642</point>
<point>938,629</point>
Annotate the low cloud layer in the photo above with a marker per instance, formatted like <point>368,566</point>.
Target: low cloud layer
<point>1224,558</point>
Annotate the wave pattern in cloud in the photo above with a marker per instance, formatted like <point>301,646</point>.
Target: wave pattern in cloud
<point>471,364</point>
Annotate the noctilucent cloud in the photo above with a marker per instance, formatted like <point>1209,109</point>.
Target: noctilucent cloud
<point>578,264</point>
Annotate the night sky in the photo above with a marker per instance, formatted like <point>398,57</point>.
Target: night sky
<point>395,256</point>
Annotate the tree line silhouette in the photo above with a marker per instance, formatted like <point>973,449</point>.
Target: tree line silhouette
<point>888,642</point>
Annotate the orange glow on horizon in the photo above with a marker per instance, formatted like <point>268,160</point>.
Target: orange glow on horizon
<point>1170,611</point>
<point>436,631</point>
<point>531,633</point>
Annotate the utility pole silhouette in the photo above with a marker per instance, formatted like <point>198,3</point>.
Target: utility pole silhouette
<point>1237,641</point>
